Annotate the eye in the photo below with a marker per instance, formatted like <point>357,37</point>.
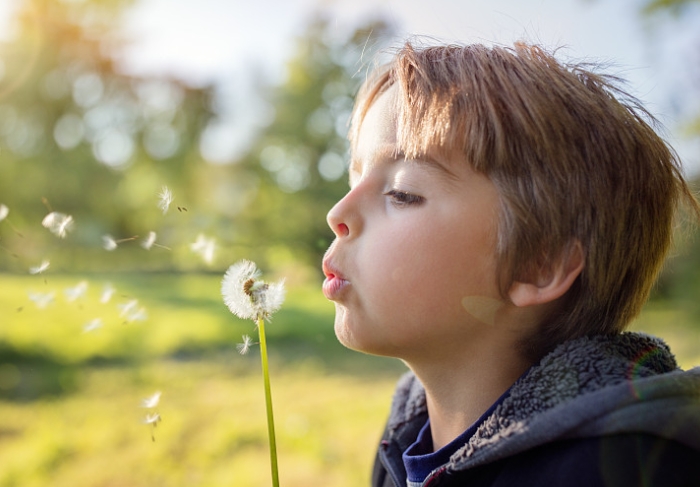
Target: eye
<point>402,199</point>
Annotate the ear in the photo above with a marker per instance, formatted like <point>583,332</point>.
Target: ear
<point>551,282</point>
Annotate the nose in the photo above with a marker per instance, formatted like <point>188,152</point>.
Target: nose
<point>339,218</point>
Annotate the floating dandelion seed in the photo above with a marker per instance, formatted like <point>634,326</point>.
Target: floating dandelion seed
<point>92,325</point>
<point>40,268</point>
<point>151,401</point>
<point>149,241</point>
<point>137,315</point>
<point>107,293</point>
<point>244,348</point>
<point>41,300</point>
<point>166,197</point>
<point>4,211</point>
<point>205,247</point>
<point>76,292</point>
<point>130,313</point>
<point>153,419</point>
<point>127,307</point>
<point>109,243</point>
<point>58,223</point>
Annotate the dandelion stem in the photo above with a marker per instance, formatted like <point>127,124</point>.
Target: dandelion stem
<point>268,403</point>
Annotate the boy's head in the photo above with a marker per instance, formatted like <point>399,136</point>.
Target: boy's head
<point>574,161</point>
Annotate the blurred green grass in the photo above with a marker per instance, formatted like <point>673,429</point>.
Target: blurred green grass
<point>213,431</point>
<point>185,316</point>
<point>70,400</point>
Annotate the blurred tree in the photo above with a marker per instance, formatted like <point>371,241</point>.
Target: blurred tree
<point>675,6</point>
<point>95,143</point>
<point>301,158</point>
<point>652,9</point>
<point>680,279</point>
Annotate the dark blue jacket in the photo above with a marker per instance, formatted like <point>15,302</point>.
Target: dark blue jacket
<point>597,411</point>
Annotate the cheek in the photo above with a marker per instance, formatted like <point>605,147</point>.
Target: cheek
<point>398,257</point>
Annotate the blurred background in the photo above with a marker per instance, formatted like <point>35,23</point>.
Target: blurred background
<point>240,110</point>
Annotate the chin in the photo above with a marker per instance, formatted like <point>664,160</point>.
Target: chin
<point>352,340</point>
<point>343,332</point>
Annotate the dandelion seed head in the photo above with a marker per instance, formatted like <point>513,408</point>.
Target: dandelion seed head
<point>40,268</point>
<point>166,198</point>
<point>109,243</point>
<point>248,297</point>
<point>4,211</point>
<point>92,325</point>
<point>58,223</point>
<point>244,347</point>
<point>77,291</point>
<point>274,297</point>
<point>149,241</point>
<point>151,401</point>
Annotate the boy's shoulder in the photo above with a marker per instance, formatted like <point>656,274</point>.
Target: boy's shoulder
<point>587,393</point>
<point>623,460</point>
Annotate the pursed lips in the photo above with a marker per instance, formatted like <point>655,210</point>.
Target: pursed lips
<point>335,282</point>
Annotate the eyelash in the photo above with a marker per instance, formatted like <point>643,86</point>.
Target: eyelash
<point>402,199</point>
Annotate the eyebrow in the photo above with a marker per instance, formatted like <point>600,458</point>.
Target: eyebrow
<point>391,154</point>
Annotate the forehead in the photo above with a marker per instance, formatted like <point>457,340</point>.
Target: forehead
<point>378,138</point>
<point>379,126</point>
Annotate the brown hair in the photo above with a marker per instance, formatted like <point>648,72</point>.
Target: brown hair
<point>574,158</point>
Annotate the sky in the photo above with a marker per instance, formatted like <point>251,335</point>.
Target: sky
<point>217,41</point>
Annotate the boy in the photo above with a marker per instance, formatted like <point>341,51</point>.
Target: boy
<point>506,219</point>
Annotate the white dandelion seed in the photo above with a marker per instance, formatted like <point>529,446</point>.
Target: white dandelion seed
<point>244,348</point>
<point>109,243</point>
<point>127,308</point>
<point>151,401</point>
<point>149,241</point>
<point>246,296</point>
<point>58,223</point>
<point>137,315</point>
<point>40,268</point>
<point>166,197</point>
<point>4,211</point>
<point>152,418</point>
<point>77,291</point>
<point>92,325</point>
<point>41,300</point>
<point>205,247</point>
<point>107,293</point>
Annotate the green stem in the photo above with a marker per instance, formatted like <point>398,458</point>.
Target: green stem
<point>268,404</point>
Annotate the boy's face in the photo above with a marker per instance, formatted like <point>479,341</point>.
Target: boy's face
<point>412,270</point>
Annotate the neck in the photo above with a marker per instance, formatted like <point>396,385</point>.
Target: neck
<point>461,387</point>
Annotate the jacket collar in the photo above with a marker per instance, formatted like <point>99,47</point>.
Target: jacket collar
<point>622,383</point>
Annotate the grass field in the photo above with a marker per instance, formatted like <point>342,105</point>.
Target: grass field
<point>70,396</point>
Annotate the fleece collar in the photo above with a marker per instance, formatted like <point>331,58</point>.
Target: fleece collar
<point>586,387</point>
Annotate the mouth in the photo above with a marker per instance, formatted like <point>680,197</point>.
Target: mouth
<point>334,283</point>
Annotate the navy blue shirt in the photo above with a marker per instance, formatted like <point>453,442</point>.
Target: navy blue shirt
<point>420,459</point>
